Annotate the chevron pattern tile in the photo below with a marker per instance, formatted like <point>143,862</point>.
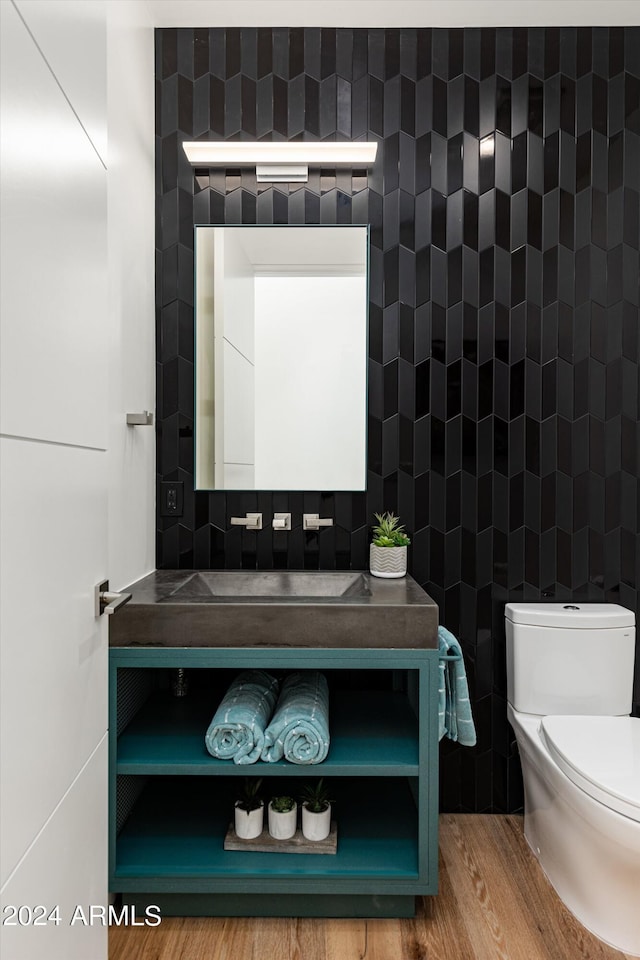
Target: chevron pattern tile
<point>504,315</point>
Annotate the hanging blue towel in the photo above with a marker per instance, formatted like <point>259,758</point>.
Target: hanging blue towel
<point>454,708</point>
<point>237,729</point>
<point>299,730</point>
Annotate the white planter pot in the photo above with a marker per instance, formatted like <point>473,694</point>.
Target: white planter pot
<point>282,826</point>
<point>388,562</point>
<point>316,826</point>
<point>248,824</point>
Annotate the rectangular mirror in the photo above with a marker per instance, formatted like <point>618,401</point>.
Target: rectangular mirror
<point>281,357</point>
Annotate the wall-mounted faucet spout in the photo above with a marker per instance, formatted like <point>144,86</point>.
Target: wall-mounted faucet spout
<point>252,521</point>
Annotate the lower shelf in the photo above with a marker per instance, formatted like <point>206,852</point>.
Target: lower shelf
<point>176,832</point>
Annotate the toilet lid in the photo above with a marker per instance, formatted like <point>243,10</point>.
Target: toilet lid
<point>601,755</point>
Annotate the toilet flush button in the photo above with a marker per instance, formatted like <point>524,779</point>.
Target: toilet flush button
<point>570,606</point>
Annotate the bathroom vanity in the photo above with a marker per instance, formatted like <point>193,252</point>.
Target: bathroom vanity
<point>171,802</point>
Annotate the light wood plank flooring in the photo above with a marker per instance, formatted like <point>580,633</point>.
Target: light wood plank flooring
<point>494,904</point>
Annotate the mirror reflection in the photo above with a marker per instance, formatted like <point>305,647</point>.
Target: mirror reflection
<point>281,357</point>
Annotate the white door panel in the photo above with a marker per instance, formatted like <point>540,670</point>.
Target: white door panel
<point>72,37</point>
<point>74,310</point>
<point>75,829</point>
<point>54,249</point>
<point>53,687</point>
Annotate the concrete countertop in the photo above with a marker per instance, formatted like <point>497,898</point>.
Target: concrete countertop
<point>189,608</point>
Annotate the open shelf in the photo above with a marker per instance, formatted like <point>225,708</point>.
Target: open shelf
<point>171,802</point>
<point>373,733</point>
<point>177,828</point>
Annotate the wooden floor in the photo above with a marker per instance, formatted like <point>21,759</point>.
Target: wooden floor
<point>494,904</point>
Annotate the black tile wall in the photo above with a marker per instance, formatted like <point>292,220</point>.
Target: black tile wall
<point>504,315</point>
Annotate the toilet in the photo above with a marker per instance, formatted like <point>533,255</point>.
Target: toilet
<point>569,688</point>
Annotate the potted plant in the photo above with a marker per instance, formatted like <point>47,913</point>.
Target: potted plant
<point>249,810</point>
<point>283,818</point>
<point>388,551</point>
<point>316,811</point>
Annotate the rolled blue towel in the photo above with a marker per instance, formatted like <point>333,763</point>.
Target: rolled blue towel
<point>299,730</point>
<point>454,707</point>
<point>237,729</point>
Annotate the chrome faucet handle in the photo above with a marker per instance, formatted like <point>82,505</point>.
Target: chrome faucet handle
<point>281,521</point>
<point>252,521</point>
<point>313,521</point>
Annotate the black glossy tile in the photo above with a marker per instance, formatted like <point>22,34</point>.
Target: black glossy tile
<point>536,52</point>
<point>503,388</point>
<point>439,106</point>
<point>519,163</point>
<point>487,111</point>
<point>567,105</point>
<point>616,50</point>
<point>503,106</point>
<point>328,107</point>
<point>615,162</point>
<point>517,122</point>
<point>536,106</point>
<point>552,41</point>
<point>503,220</point>
<point>486,171</point>
<point>615,105</point>
<point>503,52</point>
<point>584,104</point>
<point>599,105</point>
<point>470,219</point>
<point>471,94</point>
<point>438,220</point>
<point>232,49</point>
<point>454,164</point>
<point>200,53</point>
<point>583,50</point>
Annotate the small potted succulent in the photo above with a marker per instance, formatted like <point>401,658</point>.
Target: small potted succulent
<point>316,811</point>
<point>249,810</point>
<point>388,550</point>
<point>283,818</point>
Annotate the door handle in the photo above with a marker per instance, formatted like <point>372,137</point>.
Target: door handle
<point>108,602</point>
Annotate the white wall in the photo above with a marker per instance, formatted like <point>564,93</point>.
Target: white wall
<point>76,494</point>
<point>131,302</point>
<point>310,383</point>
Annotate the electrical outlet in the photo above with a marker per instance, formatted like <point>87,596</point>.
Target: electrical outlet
<point>171,498</point>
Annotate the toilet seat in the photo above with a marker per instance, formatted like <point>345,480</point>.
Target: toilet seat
<point>601,755</point>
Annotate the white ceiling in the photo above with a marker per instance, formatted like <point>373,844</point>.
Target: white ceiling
<point>392,13</point>
<point>345,246</point>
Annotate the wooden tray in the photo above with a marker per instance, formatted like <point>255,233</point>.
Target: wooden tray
<point>297,844</point>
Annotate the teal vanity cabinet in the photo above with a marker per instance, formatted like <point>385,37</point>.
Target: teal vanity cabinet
<point>171,802</point>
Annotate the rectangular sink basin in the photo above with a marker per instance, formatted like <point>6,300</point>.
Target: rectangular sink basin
<point>280,585</point>
<point>275,608</point>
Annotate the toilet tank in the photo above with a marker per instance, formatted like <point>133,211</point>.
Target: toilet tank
<point>570,658</point>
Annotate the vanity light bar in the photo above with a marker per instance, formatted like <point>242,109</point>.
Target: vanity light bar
<point>208,153</point>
